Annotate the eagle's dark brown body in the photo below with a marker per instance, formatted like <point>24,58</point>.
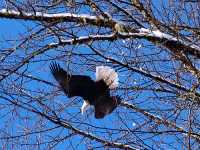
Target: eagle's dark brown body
<point>97,93</point>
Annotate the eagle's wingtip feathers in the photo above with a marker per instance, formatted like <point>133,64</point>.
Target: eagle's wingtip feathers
<point>54,67</point>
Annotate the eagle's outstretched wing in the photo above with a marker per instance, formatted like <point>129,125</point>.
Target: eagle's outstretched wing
<point>74,85</point>
<point>95,93</point>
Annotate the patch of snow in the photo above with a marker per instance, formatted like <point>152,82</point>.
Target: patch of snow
<point>144,30</point>
<point>133,124</point>
<point>139,46</point>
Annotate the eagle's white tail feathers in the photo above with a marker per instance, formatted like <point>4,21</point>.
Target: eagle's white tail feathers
<point>107,74</point>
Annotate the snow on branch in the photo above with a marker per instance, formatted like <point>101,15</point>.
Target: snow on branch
<point>59,17</point>
<point>124,31</point>
<point>161,35</point>
<point>88,39</point>
<point>169,41</point>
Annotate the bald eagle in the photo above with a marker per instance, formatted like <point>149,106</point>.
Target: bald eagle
<point>96,93</point>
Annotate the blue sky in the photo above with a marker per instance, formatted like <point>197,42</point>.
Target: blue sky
<point>11,29</point>
<point>14,29</point>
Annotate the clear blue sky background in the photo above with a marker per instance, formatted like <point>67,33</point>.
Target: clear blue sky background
<point>10,29</point>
